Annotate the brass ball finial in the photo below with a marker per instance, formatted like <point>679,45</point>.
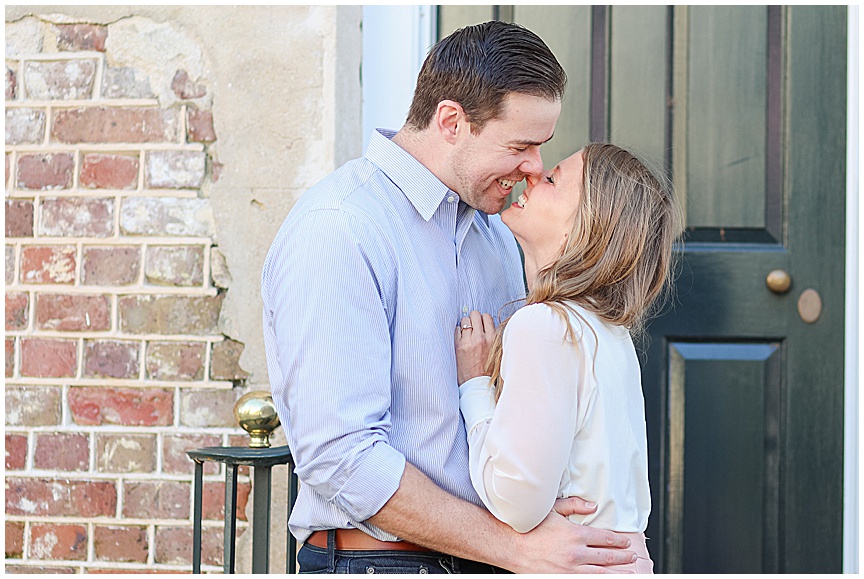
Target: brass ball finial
<point>256,414</point>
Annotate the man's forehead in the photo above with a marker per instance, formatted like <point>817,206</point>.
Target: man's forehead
<point>527,120</point>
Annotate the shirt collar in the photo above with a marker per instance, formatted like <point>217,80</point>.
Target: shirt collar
<point>425,191</point>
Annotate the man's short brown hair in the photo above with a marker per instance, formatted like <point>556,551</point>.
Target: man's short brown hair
<point>478,66</point>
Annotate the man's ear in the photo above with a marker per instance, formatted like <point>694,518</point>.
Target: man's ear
<point>450,120</point>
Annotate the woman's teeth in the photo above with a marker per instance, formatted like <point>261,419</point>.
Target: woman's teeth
<point>522,200</point>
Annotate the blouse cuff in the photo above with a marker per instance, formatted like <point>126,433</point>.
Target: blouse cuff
<point>477,401</point>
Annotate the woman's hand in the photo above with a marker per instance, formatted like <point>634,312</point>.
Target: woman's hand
<point>473,340</point>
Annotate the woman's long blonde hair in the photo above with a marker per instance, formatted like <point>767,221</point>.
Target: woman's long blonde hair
<point>617,258</point>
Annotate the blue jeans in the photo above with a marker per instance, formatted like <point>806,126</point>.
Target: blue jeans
<point>312,559</point>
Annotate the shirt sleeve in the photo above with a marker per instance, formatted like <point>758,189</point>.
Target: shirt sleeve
<point>520,448</point>
<point>328,352</point>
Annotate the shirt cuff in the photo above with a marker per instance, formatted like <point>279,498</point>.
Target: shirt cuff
<point>477,401</point>
<point>373,483</point>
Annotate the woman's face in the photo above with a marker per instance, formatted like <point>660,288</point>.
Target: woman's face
<point>543,216</point>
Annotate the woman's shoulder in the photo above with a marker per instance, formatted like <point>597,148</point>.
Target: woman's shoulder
<point>538,319</point>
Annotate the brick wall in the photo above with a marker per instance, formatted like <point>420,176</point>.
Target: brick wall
<point>115,363</point>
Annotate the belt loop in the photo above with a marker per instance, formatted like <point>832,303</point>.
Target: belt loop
<point>331,550</point>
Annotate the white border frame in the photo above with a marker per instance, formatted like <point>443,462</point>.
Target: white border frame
<point>854,282</point>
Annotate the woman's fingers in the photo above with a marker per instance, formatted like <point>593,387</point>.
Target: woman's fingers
<point>477,321</point>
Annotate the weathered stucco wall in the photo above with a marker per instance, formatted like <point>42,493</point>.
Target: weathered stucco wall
<point>260,102</point>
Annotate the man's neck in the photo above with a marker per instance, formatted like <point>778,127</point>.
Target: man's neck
<point>423,147</point>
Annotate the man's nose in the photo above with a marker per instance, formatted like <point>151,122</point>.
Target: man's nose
<point>533,164</point>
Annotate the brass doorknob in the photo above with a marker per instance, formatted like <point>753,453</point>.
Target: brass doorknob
<point>778,281</point>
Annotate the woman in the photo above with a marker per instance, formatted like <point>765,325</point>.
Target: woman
<point>559,411</point>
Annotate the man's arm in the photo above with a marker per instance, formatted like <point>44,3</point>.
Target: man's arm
<point>423,513</point>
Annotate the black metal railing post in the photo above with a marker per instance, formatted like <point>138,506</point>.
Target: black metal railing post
<point>256,414</point>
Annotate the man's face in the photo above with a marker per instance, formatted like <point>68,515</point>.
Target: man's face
<point>488,164</point>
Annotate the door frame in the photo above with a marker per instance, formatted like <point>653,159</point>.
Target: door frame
<point>385,104</point>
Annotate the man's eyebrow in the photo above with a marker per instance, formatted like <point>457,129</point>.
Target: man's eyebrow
<point>529,143</point>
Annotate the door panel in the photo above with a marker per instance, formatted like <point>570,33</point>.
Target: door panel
<point>744,107</point>
<point>638,85</point>
<point>717,459</point>
<point>727,81</point>
<point>568,35</point>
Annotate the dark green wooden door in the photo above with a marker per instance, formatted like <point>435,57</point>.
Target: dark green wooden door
<point>744,107</point>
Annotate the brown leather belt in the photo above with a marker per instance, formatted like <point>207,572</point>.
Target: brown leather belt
<point>357,540</point>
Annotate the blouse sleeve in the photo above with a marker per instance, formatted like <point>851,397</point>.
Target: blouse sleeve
<point>519,449</point>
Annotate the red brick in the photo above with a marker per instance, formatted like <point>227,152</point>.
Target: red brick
<point>115,125</point>
<point>216,171</point>
<point>225,361</point>
<point>126,82</point>
<point>185,88</point>
<point>45,171</point>
<point>145,314</point>
<point>125,453</point>
<point>120,544</point>
<point>39,570</point>
<point>206,408</point>
<point>19,218</point>
<point>16,451</point>
<point>25,126</point>
<point>66,451</point>
<point>49,264</point>
<point>99,171</point>
<point>175,169</point>
<point>213,501</point>
<point>110,265</point>
<point>157,500</point>
<point>11,84</point>
<point>175,360</point>
<point>145,571</point>
<point>77,217</point>
<point>60,498</point>
<point>175,265</point>
<point>14,540</point>
<point>111,359</point>
<point>17,310</point>
<point>93,406</point>
<point>174,457</point>
<point>80,37</point>
<point>53,541</point>
<point>32,406</point>
<point>175,217</point>
<point>59,80</point>
<point>199,126</point>
<point>48,358</point>
<point>71,313</point>
<point>10,264</point>
<point>10,357</point>
<point>174,545</point>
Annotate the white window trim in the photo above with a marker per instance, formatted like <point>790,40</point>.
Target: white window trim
<point>395,42</point>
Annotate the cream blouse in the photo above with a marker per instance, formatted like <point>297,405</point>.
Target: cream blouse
<point>570,422</point>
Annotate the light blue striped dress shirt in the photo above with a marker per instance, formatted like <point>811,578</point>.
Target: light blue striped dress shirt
<point>363,288</point>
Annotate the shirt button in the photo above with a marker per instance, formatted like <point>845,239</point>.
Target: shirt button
<point>451,199</point>
<point>465,310</point>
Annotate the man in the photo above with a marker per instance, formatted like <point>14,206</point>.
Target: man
<point>363,286</point>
